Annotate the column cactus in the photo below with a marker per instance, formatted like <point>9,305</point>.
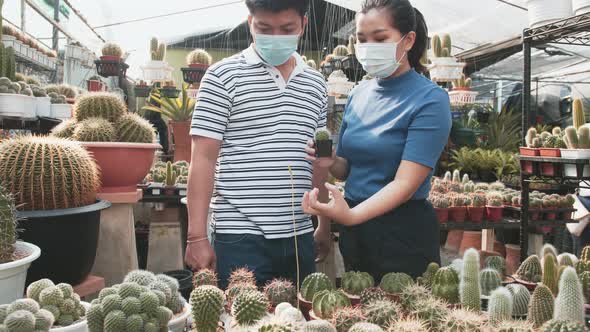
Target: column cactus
<point>10,69</point>
<point>445,285</point>
<point>500,306</point>
<point>540,306</point>
<point>520,299</point>
<point>327,301</point>
<point>354,283</point>
<point>50,183</point>
<point>579,119</point>
<point>550,271</point>
<point>469,288</point>
<point>313,284</point>
<point>585,281</point>
<point>569,304</point>
<point>8,225</point>
<point>207,306</point>
<point>428,275</point>
<point>489,280</point>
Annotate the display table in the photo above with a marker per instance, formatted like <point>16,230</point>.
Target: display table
<point>117,253</point>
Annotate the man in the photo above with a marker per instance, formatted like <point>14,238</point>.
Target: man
<point>254,115</point>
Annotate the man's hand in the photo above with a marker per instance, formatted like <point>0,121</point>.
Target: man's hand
<point>323,243</point>
<point>200,255</point>
<point>325,162</point>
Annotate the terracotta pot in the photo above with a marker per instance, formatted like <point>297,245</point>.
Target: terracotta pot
<point>304,305</point>
<point>546,152</point>
<point>122,165</point>
<point>527,166</point>
<point>182,140</point>
<point>512,258</point>
<point>549,169</point>
<point>457,213</point>
<point>483,254</point>
<point>110,58</point>
<point>454,238</point>
<point>500,248</point>
<point>475,213</point>
<point>471,239</point>
<point>494,213</point>
<point>442,215</point>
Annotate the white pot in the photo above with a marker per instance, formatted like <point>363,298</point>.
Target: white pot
<point>43,106</point>
<point>17,105</point>
<point>80,326</point>
<point>179,323</point>
<point>14,274</point>
<point>31,53</point>
<point>30,107</point>
<point>581,6</point>
<point>9,41</point>
<point>61,111</point>
<point>157,71</point>
<point>443,61</point>
<point>541,12</point>
<point>571,170</point>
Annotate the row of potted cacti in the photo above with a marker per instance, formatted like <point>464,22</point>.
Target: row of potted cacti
<point>28,47</point>
<point>450,298</point>
<point>168,178</point>
<point>29,99</point>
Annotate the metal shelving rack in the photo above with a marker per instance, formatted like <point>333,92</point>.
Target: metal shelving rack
<point>571,31</point>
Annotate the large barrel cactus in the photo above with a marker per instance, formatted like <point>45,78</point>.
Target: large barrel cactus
<point>135,129</point>
<point>99,105</point>
<point>314,283</point>
<point>530,270</point>
<point>8,224</point>
<point>327,301</point>
<point>394,282</point>
<point>45,173</point>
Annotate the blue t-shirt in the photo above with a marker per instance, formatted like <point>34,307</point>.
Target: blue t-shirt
<point>387,121</point>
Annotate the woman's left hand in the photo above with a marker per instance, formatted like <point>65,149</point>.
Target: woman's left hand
<point>337,209</point>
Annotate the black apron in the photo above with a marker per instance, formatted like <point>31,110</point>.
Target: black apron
<point>403,240</point>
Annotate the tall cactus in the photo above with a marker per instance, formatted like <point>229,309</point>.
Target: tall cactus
<point>500,306</point>
<point>10,63</point>
<point>8,224</point>
<point>46,173</point>
<point>2,60</point>
<point>446,43</point>
<point>437,46</point>
<point>540,306</point>
<point>550,273</point>
<point>569,304</point>
<point>579,119</point>
<point>469,289</point>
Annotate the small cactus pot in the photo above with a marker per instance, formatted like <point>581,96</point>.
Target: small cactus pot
<point>550,215</point>
<point>494,213</point>
<point>324,148</point>
<point>534,213</point>
<point>529,285</point>
<point>354,300</point>
<point>550,152</point>
<point>566,215</point>
<point>110,58</point>
<point>457,213</point>
<point>169,190</point>
<point>527,166</point>
<point>306,306</point>
<point>442,214</point>
<point>476,213</point>
<point>193,74</point>
<point>95,86</point>
<point>549,169</point>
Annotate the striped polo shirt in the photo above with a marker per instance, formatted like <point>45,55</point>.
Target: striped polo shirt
<point>264,124</point>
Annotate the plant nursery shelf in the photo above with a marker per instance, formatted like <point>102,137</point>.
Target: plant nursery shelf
<point>507,223</point>
<point>571,31</point>
<point>33,64</point>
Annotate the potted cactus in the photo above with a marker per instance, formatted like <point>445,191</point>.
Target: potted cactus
<point>550,205</point>
<point>577,139</point>
<point>476,207</point>
<point>142,89</point>
<point>444,67</point>
<point>326,302</point>
<point>197,61</point>
<point>533,142</point>
<point>112,134</point>
<point>441,207</point>
<point>95,84</point>
<point>157,69</point>
<point>551,147</point>
<point>354,283</point>
<point>179,112</point>
<point>323,143</point>
<point>181,184</point>
<point>535,205</point>
<point>169,90</point>
<point>111,63</point>
<point>15,256</point>
<point>458,209</point>
<point>567,202</point>
<point>170,182</point>
<point>312,285</point>
<point>57,200</point>
<point>494,207</point>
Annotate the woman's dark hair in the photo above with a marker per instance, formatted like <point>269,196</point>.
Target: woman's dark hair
<point>277,6</point>
<point>405,18</point>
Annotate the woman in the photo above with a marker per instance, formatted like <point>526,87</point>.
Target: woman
<point>393,132</point>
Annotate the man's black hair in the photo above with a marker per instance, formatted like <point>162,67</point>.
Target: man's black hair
<point>276,6</point>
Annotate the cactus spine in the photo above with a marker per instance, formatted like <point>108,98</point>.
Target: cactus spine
<point>579,119</point>
<point>344,318</point>
<point>569,304</point>
<point>428,275</point>
<point>550,273</point>
<point>445,285</point>
<point>382,312</point>
<point>500,306</point>
<point>469,288</point>
<point>540,306</point>
<point>94,130</point>
<point>207,305</point>
<point>135,129</point>
<point>99,105</point>
<point>249,307</point>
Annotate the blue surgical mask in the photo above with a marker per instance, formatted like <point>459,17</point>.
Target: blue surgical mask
<point>276,49</point>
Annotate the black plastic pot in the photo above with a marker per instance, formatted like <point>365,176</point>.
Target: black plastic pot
<point>170,92</point>
<point>142,91</point>
<point>47,124</point>
<point>194,74</point>
<point>324,148</point>
<point>110,68</point>
<point>185,280</point>
<point>68,240</point>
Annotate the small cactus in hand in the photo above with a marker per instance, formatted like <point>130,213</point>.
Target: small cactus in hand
<point>394,282</point>
<point>569,304</point>
<point>313,284</point>
<point>489,280</point>
<point>500,306</point>
<point>469,288</point>
<point>445,285</point>
<point>530,270</point>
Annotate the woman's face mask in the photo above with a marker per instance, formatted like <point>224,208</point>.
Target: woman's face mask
<point>379,59</point>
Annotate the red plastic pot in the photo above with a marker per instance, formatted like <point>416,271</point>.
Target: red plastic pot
<point>95,86</point>
<point>476,213</point>
<point>534,213</point>
<point>122,165</point>
<point>527,166</point>
<point>457,213</point>
<point>550,215</point>
<point>442,215</point>
<point>566,215</point>
<point>549,169</point>
<point>550,152</point>
<point>304,305</point>
<point>494,213</point>
<point>110,58</point>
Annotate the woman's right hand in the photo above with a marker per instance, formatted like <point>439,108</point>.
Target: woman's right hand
<point>324,162</point>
